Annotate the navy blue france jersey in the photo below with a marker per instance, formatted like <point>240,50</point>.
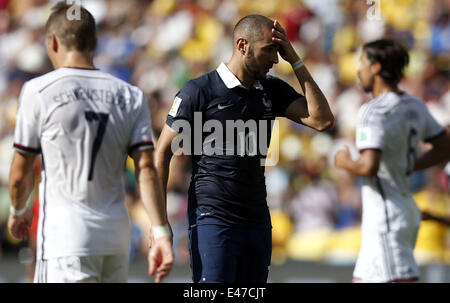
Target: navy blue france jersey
<point>228,184</point>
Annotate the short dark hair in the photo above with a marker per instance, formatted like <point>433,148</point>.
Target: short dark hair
<point>251,27</point>
<point>392,56</point>
<point>79,34</point>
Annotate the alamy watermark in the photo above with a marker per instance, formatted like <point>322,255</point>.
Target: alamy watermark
<point>250,138</point>
<point>74,12</point>
<point>374,11</point>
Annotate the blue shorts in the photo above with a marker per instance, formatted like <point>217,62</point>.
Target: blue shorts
<point>224,254</point>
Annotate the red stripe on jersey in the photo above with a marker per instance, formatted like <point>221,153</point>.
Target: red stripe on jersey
<point>27,148</point>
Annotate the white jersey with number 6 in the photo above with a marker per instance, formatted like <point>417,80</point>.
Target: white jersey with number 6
<point>85,123</point>
<point>394,124</point>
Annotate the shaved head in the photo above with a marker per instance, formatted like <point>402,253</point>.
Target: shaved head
<point>251,28</point>
<point>255,50</point>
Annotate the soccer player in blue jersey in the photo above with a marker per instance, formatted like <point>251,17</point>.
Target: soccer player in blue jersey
<point>229,220</point>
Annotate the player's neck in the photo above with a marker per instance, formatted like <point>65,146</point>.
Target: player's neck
<point>237,68</point>
<point>76,60</point>
<point>380,87</point>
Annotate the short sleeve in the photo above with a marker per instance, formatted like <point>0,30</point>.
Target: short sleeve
<point>141,136</point>
<point>26,133</point>
<point>432,128</point>
<point>282,95</point>
<point>370,132</point>
<point>184,106</point>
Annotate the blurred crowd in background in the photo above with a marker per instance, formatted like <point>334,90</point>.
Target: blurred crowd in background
<point>159,45</point>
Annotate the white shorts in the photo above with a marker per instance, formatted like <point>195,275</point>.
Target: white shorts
<point>89,269</point>
<point>387,257</point>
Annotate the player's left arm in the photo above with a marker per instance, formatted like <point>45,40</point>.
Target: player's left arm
<point>367,165</point>
<point>21,181</point>
<point>161,255</point>
<point>313,110</point>
<point>439,153</point>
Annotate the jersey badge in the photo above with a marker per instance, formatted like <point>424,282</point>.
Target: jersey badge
<point>175,106</point>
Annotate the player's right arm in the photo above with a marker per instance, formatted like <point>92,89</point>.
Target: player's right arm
<point>21,178</point>
<point>370,138</point>
<point>161,255</point>
<point>27,146</point>
<point>366,166</point>
<point>163,155</point>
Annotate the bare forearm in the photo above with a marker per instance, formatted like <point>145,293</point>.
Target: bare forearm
<point>319,114</point>
<point>357,168</point>
<point>318,107</point>
<point>431,158</point>
<point>162,164</point>
<point>151,195</point>
<point>443,220</point>
<point>20,189</point>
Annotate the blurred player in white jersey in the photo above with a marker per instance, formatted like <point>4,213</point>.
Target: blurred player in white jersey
<point>84,123</point>
<point>389,129</point>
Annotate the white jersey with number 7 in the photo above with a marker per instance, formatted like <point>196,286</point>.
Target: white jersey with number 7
<point>85,123</point>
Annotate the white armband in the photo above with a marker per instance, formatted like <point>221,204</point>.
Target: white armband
<point>160,231</point>
<point>16,212</point>
<point>298,64</point>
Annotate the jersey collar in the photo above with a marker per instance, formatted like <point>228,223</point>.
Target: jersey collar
<point>231,81</point>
